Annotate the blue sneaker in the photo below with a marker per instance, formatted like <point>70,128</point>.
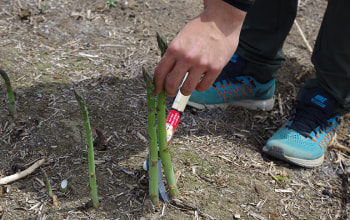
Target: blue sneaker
<point>304,139</point>
<point>233,89</point>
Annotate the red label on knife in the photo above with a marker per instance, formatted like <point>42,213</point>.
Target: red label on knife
<point>173,118</point>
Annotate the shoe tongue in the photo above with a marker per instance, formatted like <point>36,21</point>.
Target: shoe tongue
<point>314,109</point>
<point>232,69</point>
<point>320,101</point>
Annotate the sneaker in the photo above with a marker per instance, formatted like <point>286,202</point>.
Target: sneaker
<point>233,89</point>
<point>304,139</point>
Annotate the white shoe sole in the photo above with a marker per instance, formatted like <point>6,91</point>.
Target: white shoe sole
<point>265,105</point>
<point>278,152</point>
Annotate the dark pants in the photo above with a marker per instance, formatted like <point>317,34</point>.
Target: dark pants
<point>265,29</point>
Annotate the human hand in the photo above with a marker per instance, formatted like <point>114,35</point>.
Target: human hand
<point>202,48</point>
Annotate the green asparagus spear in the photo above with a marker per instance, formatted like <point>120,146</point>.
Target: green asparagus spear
<point>10,95</point>
<point>47,181</point>
<point>91,160</point>
<point>162,136</point>
<point>152,132</point>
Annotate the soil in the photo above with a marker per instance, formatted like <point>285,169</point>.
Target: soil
<point>50,47</point>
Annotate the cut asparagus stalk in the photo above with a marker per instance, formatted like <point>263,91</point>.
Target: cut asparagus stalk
<point>64,185</point>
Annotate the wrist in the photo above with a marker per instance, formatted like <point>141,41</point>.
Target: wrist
<point>225,17</point>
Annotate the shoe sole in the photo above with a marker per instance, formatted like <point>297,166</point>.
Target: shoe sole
<point>252,104</point>
<point>278,152</point>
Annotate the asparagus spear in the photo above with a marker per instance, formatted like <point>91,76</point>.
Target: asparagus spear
<point>10,95</point>
<point>47,181</point>
<point>162,136</point>
<point>91,160</point>
<point>152,132</point>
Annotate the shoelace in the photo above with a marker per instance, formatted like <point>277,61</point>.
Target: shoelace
<point>307,118</point>
<point>234,81</point>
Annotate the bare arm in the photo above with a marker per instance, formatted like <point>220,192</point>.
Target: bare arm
<point>202,48</point>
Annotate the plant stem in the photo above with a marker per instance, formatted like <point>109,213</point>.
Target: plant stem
<point>163,146</point>
<point>10,95</point>
<point>162,136</point>
<point>47,181</point>
<point>152,132</point>
<point>91,160</point>
<point>81,147</point>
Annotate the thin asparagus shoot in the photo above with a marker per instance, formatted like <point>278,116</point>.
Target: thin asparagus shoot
<point>47,182</point>
<point>11,97</point>
<point>162,136</point>
<point>91,160</point>
<point>81,147</point>
<point>152,133</point>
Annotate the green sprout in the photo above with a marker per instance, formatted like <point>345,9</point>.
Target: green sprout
<point>280,178</point>
<point>47,181</point>
<point>11,97</point>
<point>112,3</point>
<point>44,6</point>
<point>91,160</point>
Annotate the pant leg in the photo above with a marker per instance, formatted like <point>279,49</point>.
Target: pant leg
<point>264,31</point>
<point>331,55</point>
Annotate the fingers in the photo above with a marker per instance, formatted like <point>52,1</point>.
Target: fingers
<point>177,70</point>
<point>208,79</point>
<point>195,66</point>
<point>165,65</point>
<point>173,71</point>
<point>175,78</point>
<point>201,74</point>
<point>190,84</point>
<point>199,69</point>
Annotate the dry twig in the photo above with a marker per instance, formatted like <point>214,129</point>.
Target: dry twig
<point>22,174</point>
<point>339,146</point>
<point>303,36</point>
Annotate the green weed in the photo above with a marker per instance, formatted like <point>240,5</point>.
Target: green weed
<point>112,3</point>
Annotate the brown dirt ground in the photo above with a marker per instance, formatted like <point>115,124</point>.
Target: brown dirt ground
<point>48,47</point>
